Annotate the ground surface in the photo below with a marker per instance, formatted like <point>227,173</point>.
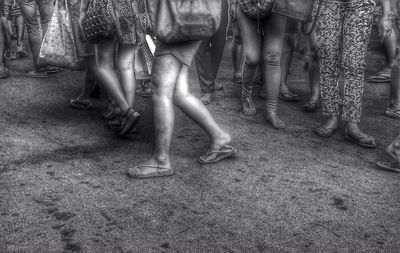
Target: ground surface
<point>64,188</point>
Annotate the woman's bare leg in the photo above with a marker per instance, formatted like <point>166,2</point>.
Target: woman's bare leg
<point>126,58</point>
<point>198,112</point>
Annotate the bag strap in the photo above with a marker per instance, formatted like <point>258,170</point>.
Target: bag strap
<point>314,22</point>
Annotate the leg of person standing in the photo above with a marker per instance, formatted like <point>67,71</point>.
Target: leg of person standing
<point>357,26</point>
<point>29,9</point>
<point>328,36</point>
<point>209,56</point>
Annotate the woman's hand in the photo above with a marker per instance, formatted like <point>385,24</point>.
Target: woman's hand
<point>385,27</point>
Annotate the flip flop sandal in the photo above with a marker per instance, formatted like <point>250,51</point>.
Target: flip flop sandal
<point>53,70</point>
<point>392,113</point>
<point>311,107</point>
<point>155,171</point>
<point>111,114</point>
<point>389,166</point>
<point>381,77</point>
<point>322,131</point>
<point>82,104</point>
<point>289,97</point>
<point>365,142</point>
<point>130,118</point>
<point>217,155</point>
<point>35,74</point>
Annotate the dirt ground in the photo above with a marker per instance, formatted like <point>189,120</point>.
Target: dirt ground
<point>64,188</point>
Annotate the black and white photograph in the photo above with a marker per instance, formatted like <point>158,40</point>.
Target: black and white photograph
<point>199,126</point>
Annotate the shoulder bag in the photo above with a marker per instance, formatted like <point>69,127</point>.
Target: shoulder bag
<point>300,10</point>
<point>184,20</point>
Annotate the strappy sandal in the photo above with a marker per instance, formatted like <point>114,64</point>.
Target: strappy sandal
<point>140,172</point>
<point>322,131</point>
<point>367,141</point>
<point>129,120</point>
<point>246,98</point>
<point>214,156</point>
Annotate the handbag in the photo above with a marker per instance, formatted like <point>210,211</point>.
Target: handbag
<point>184,20</point>
<point>101,23</point>
<point>300,10</point>
<point>256,9</point>
<point>58,45</point>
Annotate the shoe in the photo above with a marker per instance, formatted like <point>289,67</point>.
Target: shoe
<point>35,74</point>
<point>389,166</point>
<point>82,104</point>
<point>129,120</point>
<point>4,73</point>
<point>392,112</point>
<point>116,126</point>
<point>288,97</point>
<point>207,98</point>
<point>382,76</point>
<point>53,69</point>
<point>366,141</point>
<point>237,77</point>
<point>21,52</point>
<point>150,171</point>
<point>218,85</point>
<point>322,131</point>
<point>217,155</point>
<point>10,55</point>
<point>311,107</point>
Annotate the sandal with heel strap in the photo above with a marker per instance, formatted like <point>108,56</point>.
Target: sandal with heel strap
<point>129,121</point>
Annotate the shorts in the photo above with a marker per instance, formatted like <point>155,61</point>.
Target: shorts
<point>183,51</point>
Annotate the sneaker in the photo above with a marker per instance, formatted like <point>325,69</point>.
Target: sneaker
<point>218,85</point>
<point>21,52</point>
<point>207,98</point>
<point>4,73</point>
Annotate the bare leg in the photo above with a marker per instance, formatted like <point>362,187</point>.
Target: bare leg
<point>198,112</point>
<point>287,54</point>
<point>165,74</point>
<point>108,78</point>
<point>126,58</point>
<point>313,77</point>
<point>237,51</point>
<point>20,26</point>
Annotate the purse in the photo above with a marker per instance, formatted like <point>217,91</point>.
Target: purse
<point>300,10</point>
<point>182,20</point>
<point>101,23</point>
<point>58,44</point>
<point>256,9</point>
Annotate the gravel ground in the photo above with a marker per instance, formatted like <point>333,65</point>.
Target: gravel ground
<point>64,188</point>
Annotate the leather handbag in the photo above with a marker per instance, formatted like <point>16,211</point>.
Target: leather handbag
<point>99,24</point>
<point>300,10</point>
<point>184,20</point>
<point>58,45</point>
<point>256,9</point>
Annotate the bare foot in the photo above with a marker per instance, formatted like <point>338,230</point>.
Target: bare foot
<point>220,141</point>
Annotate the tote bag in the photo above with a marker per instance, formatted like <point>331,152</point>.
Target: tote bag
<point>58,45</point>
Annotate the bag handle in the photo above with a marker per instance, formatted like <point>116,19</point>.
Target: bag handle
<point>314,22</point>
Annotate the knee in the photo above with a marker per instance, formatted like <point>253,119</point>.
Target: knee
<point>272,59</point>
<point>252,59</point>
